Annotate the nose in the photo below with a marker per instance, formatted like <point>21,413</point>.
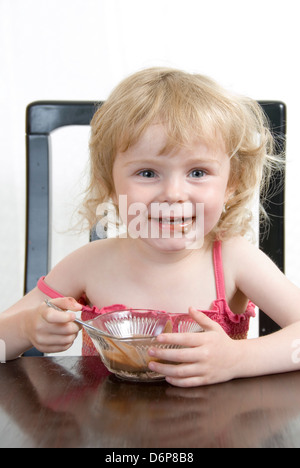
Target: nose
<point>174,190</point>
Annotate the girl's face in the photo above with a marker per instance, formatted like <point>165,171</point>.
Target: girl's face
<point>161,197</point>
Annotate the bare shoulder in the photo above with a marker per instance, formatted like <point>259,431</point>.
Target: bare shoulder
<point>102,247</point>
<point>70,276</point>
<point>245,259</point>
<point>238,247</point>
<point>260,280</point>
<point>242,253</point>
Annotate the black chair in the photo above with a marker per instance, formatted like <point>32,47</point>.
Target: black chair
<point>45,116</point>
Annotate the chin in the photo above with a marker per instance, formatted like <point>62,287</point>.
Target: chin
<point>173,245</point>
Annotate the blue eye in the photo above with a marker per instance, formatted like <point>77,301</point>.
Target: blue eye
<point>147,174</point>
<point>197,173</point>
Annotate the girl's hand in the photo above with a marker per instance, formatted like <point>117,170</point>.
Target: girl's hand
<point>51,331</point>
<point>206,358</point>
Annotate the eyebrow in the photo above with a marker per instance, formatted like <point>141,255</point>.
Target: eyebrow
<point>190,162</point>
<point>196,161</point>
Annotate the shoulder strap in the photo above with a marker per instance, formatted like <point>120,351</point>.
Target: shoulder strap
<point>42,286</point>
<point>219,272</point>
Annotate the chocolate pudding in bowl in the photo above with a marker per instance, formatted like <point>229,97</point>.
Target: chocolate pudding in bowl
<point>123,338</point>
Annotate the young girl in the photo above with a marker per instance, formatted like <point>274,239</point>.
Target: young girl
<point>168,143</point>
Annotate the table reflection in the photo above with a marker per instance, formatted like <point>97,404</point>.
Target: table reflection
<point>75,402</point>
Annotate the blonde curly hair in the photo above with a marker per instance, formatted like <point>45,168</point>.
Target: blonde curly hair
<point>189,106</point>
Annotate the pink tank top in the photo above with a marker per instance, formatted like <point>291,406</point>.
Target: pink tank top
<point>235,325</point>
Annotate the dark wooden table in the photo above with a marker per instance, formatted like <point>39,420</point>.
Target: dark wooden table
<point>75,402</point>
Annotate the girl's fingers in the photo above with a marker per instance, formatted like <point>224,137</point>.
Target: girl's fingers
<point>53,316</point>
<point>68,328</point>
<point>57,339</point>
<point>173,355</point>
<point>189,382</point>
<point>182,339</point>
<point>203,320</point>
<point>177,371</point>
<point>66,303</point>
<point>60,317</point>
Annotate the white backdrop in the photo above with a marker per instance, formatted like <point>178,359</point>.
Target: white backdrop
<point>80,49</point>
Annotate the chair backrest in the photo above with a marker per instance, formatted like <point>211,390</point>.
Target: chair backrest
<point>45,116</point>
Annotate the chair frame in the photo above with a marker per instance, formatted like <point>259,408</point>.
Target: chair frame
<point>42,117</point>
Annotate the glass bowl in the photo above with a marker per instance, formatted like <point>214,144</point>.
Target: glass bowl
<point>122,338</point>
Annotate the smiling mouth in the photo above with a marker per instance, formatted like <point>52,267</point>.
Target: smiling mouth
<point>176,223</point>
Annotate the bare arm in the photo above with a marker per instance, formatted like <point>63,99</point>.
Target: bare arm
<point>31,323</point>
<point>264,284</point>
<point>213,357</point>
<point>272,292</point>
<point>12,324</point>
